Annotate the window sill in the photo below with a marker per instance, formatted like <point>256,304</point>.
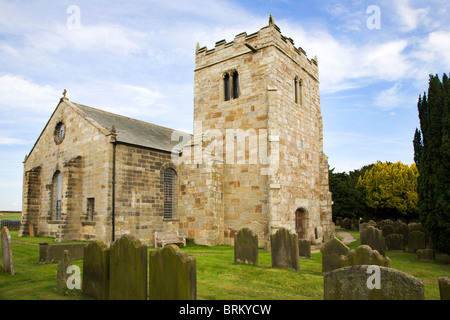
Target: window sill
<point>87,223</point>
<point>56,221</point>
<point>169,220</point>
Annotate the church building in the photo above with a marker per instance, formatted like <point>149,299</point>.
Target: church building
<point>255,158</point>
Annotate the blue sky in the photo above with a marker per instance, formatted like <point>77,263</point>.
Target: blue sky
<point>136,58</point>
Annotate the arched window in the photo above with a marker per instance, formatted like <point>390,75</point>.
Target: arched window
<point>57,195</point>
<point>170,194</point>
<point>235,85</point>
<point>298,90</point>
<point>231,85</point>
<point>226,86</point>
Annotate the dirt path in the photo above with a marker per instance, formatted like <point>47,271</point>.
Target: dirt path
<point>346,239</point>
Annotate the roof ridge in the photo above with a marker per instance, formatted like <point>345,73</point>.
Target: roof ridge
<point>125,117</point>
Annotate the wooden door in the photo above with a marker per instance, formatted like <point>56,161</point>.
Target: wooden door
<point>300,223</point>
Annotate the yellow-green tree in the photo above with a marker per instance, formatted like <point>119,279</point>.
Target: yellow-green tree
<point>390,190</point>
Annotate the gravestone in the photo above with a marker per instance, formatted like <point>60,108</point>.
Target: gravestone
<point>387,229</point>
<point>246,247</point>
<point>394,242</point>
<point>173,274</point>
<point>373,237</point>
<point>55,252</point>
<point>363,226</point>
<point>331,251</point>
<point>128,269</point>
<point>62,275</point>
<point>304,248</point>
<point>7,255</point>
<point>359,282</point>
<point>363,255</point>
<point>444,287</point>
<point>425,255</point>
<point>403,230</point>
<point>284,250</point>
<point>96,263</point>
<point>416,240</point>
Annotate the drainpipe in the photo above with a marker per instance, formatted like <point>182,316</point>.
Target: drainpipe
<point>113,140</point>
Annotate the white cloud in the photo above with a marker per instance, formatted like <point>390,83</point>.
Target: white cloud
<point>410,18</point>
<point>21,94</point>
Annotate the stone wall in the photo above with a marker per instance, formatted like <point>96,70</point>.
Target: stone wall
<point>84,159</point>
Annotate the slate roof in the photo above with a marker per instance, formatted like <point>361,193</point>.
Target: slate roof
<point>137,132</point>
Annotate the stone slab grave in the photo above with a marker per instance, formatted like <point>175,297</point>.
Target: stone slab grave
<point>7,255</point>
<point>96,271</point>
<point>331,252</point>
<point>172,275</point>
<point>444,288</point>
<point>367,282</point>
<point>363,255</point>
<point>55,252</point>
<point>246,247</point>
<point>416,240</point>
<point>425,255</point>
<point>394,242</point>
<point>304,248</point>
<point>284,250</point>
<point>373,237</point>
<point>62,275</point>
<point>128,269</point>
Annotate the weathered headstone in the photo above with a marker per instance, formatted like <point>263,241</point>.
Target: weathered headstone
<point>387,229</point>
<point>304,248</point>
<point>7,255</point>
<point>331,251</point>
<point>173,274</point>
<point>425,255</point>
<point>363,282</point>
<point>284,250</point>
<point>416,240</point>
<point>373,237</point>
<point>363,255</point>
<point>128,269</point>
<point>62,275</point>
<point>363,226</point>
<point>96,263</point>
<point>394,242</point>
<point>444,287</point>
<point>403,229</point>
<point>246,247</point>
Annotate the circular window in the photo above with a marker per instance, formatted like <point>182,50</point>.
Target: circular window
<point>60,132</point>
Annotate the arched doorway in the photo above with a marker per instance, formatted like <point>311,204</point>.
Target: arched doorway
<point>300,221</point>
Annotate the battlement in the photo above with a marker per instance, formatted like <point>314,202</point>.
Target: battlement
<point>243,43</point>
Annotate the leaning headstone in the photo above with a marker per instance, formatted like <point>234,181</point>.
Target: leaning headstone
<point>284,250</point>
<point>173,274</point>
<point>304,248</point>
<point>96,271</point>
<point>363,226</point>
<point>394,242</point>
<point>416,240</point>
<point>373,237</point>
<point>246,247</point>
<point>331,251</point>
<point>364,255</point>
<point>425,255</point>
<point>444,287</point>
<point>62,275</point>
<point>366,282</point>
<point>7,255</point>
<point>128,269</point>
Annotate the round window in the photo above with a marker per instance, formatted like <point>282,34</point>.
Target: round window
<point>60,131</point>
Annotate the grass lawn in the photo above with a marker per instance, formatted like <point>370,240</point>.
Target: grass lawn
<point>218,277</point>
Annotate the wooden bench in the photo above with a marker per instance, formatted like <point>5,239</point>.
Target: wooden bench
<point>164,238</point>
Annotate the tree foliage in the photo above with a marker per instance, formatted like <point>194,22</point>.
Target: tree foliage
<point>432,157</point>
<point>390,190</point>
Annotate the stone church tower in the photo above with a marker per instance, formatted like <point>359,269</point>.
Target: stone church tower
<point>256,159</point>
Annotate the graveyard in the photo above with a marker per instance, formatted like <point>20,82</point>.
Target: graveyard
<point>218,276</point>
